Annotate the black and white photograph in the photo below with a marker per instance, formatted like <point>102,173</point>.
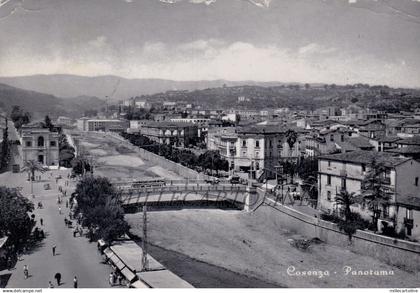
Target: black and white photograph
<point>171,144</point>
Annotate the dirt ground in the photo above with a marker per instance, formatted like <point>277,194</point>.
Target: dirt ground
<point>242,243</point>
<point>117,162</point>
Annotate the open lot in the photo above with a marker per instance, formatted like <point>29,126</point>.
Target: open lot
<point>116,161</point>
<point>241,242</point>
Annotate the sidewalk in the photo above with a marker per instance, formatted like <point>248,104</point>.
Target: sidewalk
<point>74,256</point>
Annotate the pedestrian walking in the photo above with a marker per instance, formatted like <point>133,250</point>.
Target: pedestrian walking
<point>26,271</point>
<point>57,277</point>
<point>53,250</point>
<point>50,284</point>
<point>111,279</point>
<point>41,221</point>
<point>75,282</point>
<point>67,203</point>
<point>59,210</point>
<point>120,279</point>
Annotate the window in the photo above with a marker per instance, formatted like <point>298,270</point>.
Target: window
<point>28,143</point>
<point>329,163</point>
<point>257,143</point>
<point>332,137</point>
<point>409,214</point>
<point>363,168</point>
<point>53,143</point>
<point>244,143</point>
<point>342,137</point>
<point>416,181</point>
<point>343,184</point>
<point>328,179</point>
<point>40,141</point>
<point>271,144</point>
<point>329,195</point>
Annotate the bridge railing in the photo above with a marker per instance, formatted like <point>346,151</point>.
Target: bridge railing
<point>133,195</point>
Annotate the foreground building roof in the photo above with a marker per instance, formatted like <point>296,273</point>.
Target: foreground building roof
<point>365,157</point>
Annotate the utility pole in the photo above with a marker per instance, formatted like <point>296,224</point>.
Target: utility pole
<point>144,261</point>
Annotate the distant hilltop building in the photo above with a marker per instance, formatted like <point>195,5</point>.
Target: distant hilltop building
<point>39,144</point>
<point>242,99</point>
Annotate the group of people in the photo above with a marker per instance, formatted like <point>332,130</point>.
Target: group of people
<point>57,277</point>
<point>114,278</point>
<point>39,233</point>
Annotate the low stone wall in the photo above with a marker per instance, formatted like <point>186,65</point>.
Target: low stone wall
<point>161,161</point>
<point>403,254</point>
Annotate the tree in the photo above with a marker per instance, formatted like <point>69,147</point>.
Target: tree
<point>291,138</point>
<point>345,200</point>
<point>290,168</point>
<point>48,123</point>
<point>98,203</point>
<point>31,167</point>
<point>19,117</point>
<point>67,152</point>
<point>80,165</point>
<point>5,148</point>
<point>15,221</point>
<point>374,190</point>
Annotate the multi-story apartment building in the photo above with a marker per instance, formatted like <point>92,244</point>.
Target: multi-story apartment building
<point>346,171</point>
<point>172,133</point>
<point>223,139</point>
<point>261,148</point>
<point>114,125</point>
<point>39,144</point>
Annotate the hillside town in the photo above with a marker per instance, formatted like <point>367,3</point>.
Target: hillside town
<point>354,168</point>
<point>209,144</point>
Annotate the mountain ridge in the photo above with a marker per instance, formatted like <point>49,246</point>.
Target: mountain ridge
<point>111,86</point>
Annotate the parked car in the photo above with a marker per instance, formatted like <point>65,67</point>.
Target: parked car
<point>212,181</point>
<point>235,179</point>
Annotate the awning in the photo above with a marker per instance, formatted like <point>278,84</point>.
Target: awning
<point>129,275</point>
<point>108,252</point>
<point>118,263</point>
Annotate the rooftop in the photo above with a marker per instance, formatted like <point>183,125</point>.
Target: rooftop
<point>365,157</point>
<point>408,201</point>
<point>415,140</point>
<point>410,149</point>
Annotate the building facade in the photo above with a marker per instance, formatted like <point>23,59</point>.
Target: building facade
<point>39,144</point>
<point>346,171</point>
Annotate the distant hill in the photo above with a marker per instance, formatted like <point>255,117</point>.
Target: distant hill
<point>116,88</point>
<point>40,104</point>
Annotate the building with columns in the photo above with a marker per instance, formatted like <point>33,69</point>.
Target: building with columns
<point>39,144</point>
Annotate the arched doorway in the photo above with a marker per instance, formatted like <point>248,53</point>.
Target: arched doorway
<point>41,159</point>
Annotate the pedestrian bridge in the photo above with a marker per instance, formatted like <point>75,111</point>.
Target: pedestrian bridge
<point>185,193</point>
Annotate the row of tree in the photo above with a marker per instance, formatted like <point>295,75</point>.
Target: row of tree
<point>99,206</point>
<point>210,160</point>
<point>15,219</point>
<point>5,152</point>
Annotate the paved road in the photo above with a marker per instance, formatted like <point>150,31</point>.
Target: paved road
<point>75,256</point>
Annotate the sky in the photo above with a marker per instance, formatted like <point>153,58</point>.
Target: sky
<point>328,41</point>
